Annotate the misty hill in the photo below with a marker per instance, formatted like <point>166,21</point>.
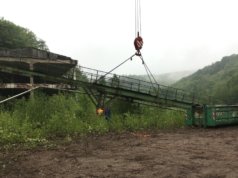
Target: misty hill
<point>166,78</point>
<point>219,80</point>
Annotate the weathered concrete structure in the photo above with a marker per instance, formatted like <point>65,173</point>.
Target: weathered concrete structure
<point>35,60</point>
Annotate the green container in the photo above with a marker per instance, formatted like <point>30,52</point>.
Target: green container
<point>212,115</point>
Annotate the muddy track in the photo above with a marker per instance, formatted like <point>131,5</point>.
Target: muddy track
<point>176,153</point>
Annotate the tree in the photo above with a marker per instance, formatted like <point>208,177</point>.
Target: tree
<point>13,36</point>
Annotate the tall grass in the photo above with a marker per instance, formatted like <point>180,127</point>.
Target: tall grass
<point>42,118</point>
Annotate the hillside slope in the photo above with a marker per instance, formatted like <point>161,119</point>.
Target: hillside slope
<point>219,80</point>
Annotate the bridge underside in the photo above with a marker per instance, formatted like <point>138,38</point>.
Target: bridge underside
<point>36,61</point>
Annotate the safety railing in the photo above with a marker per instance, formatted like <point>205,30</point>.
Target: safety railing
<point>144,87</point>
<point>97,77</point>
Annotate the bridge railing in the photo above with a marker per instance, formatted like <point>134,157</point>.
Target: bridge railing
<point>123,82</point>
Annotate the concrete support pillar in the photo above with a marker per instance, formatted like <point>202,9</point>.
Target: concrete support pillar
<point>31,69</point>
<point>74,73</point>
<point>31,65</point>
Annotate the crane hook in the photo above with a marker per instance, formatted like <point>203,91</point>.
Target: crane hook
<point>138,43</point>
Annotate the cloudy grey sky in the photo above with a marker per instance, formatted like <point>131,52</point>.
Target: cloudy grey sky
<point>178,34</point>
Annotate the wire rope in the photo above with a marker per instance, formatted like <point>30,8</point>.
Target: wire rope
<point>137,17</point>
<point>130,58</point>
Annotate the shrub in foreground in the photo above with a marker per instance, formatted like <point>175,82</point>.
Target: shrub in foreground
<point>43,117</point>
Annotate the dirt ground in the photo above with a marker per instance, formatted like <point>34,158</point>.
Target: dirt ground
<point>189,152</point>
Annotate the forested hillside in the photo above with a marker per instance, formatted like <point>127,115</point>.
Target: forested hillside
<point>14,36</point>
<point>219,80</point>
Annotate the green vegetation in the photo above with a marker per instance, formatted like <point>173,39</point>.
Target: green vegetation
<point>13,36</point>
<point>219,80</point>
<point>44,118</point>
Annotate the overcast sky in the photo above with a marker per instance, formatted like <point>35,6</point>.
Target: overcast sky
<point>178,34</point>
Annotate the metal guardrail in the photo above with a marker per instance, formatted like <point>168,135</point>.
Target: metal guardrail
<point>98,77</point>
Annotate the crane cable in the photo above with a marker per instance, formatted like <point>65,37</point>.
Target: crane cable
<point>138,43</point>
<point>149,74</point>
<point>130,58</point>
<point>137,18</point>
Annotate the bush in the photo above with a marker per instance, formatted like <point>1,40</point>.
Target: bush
<point>44,117</point>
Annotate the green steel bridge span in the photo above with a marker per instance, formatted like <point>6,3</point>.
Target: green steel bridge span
<point>102,88</point>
